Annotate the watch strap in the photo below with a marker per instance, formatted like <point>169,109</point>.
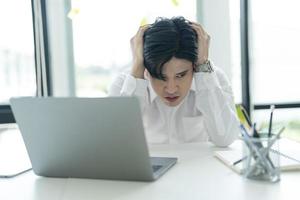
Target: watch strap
<point>204,67</point>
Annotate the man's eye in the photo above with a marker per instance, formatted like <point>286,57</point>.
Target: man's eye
<point>180,75</point>
<point>163,78</point>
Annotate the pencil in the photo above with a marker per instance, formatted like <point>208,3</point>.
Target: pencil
<point>272,107</point>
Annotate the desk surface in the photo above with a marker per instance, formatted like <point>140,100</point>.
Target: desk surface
<point>197,175</point>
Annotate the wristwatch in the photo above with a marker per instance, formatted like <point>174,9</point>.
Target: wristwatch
<point>204,67</point>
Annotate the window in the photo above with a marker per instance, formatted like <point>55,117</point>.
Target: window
<point>17,67</point>
<point>17,62</point>
<point>289,118</point>
<point>274,45</point>
<point>102,32</point>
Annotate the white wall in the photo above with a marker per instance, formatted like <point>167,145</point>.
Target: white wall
<point>214,16</point>
<point>61,48</point>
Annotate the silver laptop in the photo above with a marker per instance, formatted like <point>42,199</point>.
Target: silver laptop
<point>99,138</point>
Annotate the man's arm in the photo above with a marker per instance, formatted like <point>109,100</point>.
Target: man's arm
<point>214,98</point>
<point>127,85</point>
<point>133,84</point>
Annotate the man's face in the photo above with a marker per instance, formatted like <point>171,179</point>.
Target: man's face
<point>178,76</point>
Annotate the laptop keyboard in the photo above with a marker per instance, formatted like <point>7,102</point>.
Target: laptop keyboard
<point>156,167</point>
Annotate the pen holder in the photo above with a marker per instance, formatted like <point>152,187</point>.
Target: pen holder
<point>262,162</point>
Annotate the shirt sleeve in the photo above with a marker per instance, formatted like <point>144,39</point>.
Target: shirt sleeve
<point>214,98</point>
<point>127,85</point>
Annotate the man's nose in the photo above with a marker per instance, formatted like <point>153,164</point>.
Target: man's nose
<point>171,86</point>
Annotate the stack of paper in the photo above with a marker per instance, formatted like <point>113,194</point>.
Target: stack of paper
<point>289,152</point>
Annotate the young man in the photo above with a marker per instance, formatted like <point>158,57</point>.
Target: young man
<point>184,98</point>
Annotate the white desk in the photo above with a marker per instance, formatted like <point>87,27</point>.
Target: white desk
<point>197,175</point>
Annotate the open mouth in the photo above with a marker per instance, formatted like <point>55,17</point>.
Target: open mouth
<point>171,99</point>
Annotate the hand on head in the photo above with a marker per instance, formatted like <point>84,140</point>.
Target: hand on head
<point>136,44</point>
<point>137,48</point>
<point>203,43</point>
<point>169,49</point>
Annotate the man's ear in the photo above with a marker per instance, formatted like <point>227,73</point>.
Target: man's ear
<point>194,68</point>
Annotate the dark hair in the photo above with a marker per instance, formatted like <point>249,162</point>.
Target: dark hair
<point>166,38</point>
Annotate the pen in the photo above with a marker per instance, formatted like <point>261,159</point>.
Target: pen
<point>274,140</point>
<point>246,136</point>
<point>255,133</point>
<point>272,107</point>
<point>266,163</point>
<point>280,131</point>
<point>239,160</point>
<point>246,116</point>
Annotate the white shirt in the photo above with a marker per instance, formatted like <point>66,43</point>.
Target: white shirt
<point>206,113</point>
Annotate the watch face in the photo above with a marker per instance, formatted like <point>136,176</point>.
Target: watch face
<point>205,67</point>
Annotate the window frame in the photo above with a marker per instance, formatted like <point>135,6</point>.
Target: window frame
<point>245,65</point>
<point>6,115</point>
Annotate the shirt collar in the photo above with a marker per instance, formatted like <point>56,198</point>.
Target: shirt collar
<point>153,94</point>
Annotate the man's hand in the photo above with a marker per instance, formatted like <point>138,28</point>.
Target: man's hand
<point>137,47</point>
<point>203,43</point>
